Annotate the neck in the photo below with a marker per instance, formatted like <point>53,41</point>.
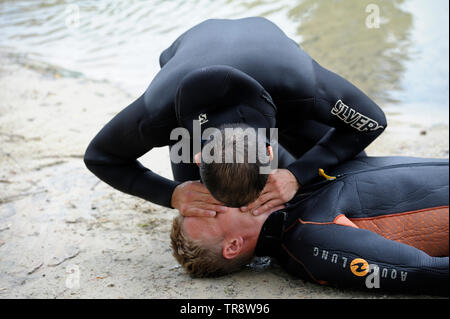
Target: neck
<point>253,230</point>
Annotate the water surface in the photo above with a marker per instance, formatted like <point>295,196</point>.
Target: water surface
<point>402,63</point>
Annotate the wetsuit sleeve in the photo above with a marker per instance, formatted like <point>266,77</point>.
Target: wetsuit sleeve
<point>351,257</point>
<point>355,120</point>
<point>112,155</point>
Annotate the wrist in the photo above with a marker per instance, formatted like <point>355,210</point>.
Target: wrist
<point>174,198</point>
<point>293,178</point>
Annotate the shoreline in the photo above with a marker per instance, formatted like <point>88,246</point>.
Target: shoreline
<point>57,220</point>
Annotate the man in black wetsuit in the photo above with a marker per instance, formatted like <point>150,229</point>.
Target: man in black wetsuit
<point>250,68</point>
<point>382,222</point>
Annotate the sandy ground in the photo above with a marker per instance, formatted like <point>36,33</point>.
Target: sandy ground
<point>64,234</point>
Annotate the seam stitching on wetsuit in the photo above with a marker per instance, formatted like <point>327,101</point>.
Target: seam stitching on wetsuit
<point>400,214</point>
<point>359,195</point>
<point>299,262</point>
<point>291,226</point>
<point>225,83</point>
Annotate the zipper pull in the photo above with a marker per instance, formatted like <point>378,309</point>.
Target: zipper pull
<point>322,173</point>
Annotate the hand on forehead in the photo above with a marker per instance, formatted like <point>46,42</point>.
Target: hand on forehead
<point>213,227</point>
<point>201,227</point>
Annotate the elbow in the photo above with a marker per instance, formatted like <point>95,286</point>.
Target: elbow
<point>87,159</point>
<point>383,121</point>
<point>375,126</point>
<point>382,124</point>
<point>96,161</point>
<point>91,157</point>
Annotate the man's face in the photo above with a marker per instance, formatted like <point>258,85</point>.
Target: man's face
<point>214,229</point>
<point>224,227</point>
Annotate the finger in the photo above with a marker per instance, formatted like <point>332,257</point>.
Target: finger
<point>269,188</point>
<point>267,206</point>
<point>253,205</point>
<point>245,208</point>
<point>212,207</point>
<point>207,198</point>
<point>278,207</point>
<point>198,212</point>
<point>195,193</point>
<point>262,200</point>
<point>259,201</point>
<point>267,197</point>
<point>199,187</point>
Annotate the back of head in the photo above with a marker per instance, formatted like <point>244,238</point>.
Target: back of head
<point>232,162</point>
<point>202,259</point>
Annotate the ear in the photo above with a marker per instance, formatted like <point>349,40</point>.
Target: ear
<point>233,247</point>
<point>197,158</point>
<point>270,151</point>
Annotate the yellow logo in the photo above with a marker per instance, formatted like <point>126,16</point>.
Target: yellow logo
<point>359,267</point>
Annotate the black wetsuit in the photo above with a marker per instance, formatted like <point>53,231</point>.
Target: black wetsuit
<point>322,119</point>
<point>399,208</point>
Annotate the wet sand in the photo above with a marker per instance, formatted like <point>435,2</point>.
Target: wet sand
<point>59,223</point>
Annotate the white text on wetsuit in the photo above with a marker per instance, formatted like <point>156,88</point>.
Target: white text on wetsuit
<point>353,118</point>
<point>375,271</point>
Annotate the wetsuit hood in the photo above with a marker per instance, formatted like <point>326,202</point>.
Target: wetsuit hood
<point>219,94</point>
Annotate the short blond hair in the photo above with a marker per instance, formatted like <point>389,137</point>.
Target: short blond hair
<point>200,259</point>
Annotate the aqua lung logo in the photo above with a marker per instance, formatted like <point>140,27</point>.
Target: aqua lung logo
<point>361,268</point>
<point>353,118</point>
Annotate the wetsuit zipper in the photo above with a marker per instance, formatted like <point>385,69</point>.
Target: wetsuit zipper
<point>319,186</point>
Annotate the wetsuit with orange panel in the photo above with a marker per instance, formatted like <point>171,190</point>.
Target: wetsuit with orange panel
<point>374,223</point>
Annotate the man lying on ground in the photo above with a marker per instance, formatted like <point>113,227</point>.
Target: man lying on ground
<point>380,222</point>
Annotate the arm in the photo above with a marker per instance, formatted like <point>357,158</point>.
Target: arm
<point>327,254</point>
<point>112,154</point>
<point>356,121</point>
<point>112,157</point>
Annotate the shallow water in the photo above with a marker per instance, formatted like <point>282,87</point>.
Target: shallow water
<point>402,62</point>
